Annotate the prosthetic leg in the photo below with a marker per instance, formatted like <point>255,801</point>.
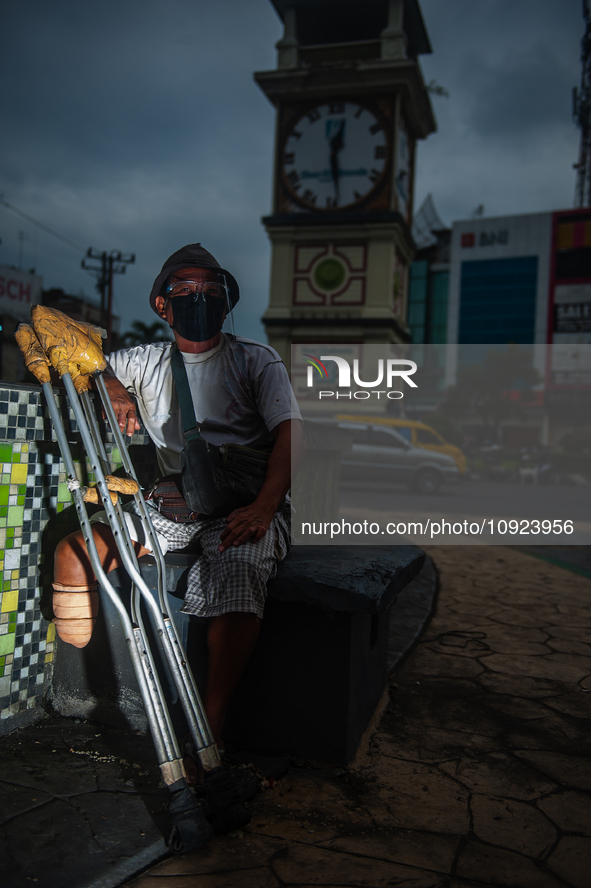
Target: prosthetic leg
<point>74,350</point>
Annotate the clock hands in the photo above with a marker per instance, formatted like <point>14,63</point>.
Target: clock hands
<point>334,156</point>
<point>337,143</point>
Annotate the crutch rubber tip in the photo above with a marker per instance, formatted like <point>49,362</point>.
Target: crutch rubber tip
<point>189,827</point>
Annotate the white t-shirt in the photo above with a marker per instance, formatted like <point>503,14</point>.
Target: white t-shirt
<point>240,391</point>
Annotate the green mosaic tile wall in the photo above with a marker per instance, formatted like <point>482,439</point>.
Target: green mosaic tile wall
<point>35,513</point>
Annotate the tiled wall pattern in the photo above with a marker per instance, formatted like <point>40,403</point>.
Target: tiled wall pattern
<point>35,513</point>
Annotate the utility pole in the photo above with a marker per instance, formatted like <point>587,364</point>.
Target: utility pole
<point>111,263</point>
<point>582,115</point>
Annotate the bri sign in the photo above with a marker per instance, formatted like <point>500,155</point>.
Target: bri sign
<point>390,372</point>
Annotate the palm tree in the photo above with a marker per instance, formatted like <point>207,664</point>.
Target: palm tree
<point>141,334</point>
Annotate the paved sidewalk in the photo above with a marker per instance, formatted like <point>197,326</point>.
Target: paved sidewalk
<point>81,804</point>
<point>480,772</point>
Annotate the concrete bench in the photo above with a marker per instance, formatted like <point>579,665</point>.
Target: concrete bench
<point>317,674</point>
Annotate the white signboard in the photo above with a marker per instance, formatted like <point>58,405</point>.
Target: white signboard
<point>18,292</point>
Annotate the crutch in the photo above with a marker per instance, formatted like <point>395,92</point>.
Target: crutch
<point>189,827</point>
<point>220,790</point>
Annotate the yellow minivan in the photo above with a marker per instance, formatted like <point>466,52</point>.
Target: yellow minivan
<point>416,433</point>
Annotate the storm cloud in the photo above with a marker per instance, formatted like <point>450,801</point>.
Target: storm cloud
<point>137,126</point>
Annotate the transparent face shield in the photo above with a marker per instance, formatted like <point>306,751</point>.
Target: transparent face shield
<point>200,307</point>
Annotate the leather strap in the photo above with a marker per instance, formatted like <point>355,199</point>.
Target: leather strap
<point>179,371</point>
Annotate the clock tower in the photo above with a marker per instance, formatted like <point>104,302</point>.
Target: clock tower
<point>351,104</point>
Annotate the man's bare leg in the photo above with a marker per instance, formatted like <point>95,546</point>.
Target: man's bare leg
<point>231,639</point>
<point>72,564</point>
<point>75,595</point>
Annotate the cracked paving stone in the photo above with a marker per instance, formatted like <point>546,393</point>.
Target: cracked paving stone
<point>59,773</point>
<point>520,617</point>
<point>574,660</point>
<point>449,687</point>
<point>118,820</point>
<point>568,738</point>
<point>538,667</point>
<point>435,745</point>
<point>576,703</point>
<point>310,832</point>
<point>580,615</point>
<point>575,632</point>
<point>438,664</point>
<point>421,797</point>
<point>572,860</point>
<point>504,868</point>
<point>524,648</point>
<point>516,707</point>
<point>516,634</point>
<point>425,850</point>
<point>513,825</point>
<point>15,800</point>
<point>261,877</point>
<point>426,711</point>
<point>570,811</point>
<point>472,607</point>
<point>460,644</point>
<point>570,771</point>
<point>45,858</point>
<point>462,883</point>
<point>223,853</point>
<point>570,646</point>
<point>499,774</point>
<point>521,686</point>
<point>450,622</point>
<point>315,866</point>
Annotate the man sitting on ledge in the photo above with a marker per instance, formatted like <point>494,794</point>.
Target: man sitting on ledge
<point>241,394</point>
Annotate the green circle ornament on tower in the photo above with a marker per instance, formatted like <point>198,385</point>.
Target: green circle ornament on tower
<point>330,274</point>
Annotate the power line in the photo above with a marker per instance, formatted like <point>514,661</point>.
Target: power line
<point>41,225</point>
<point>110,264</point>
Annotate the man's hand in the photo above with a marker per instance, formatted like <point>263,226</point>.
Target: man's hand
<point>124,408</point>
<point>248,523</point>
<point>252,522</point>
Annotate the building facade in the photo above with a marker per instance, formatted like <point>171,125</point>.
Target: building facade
<point>19,290</point>
<point>521,279</point>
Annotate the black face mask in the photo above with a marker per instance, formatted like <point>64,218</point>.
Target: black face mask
<point>197,318</point>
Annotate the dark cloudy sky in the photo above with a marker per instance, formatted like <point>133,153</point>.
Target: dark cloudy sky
<point>136,125</point>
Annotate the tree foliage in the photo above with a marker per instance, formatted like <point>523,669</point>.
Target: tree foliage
<point>142,334</point>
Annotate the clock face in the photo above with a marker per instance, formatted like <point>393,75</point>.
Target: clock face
<point>335,155</point>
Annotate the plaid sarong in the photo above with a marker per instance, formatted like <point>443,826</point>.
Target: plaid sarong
<point>219,582</point>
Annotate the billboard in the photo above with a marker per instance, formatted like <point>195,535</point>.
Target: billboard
<point>569,320</point>
<point>18,292</point>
